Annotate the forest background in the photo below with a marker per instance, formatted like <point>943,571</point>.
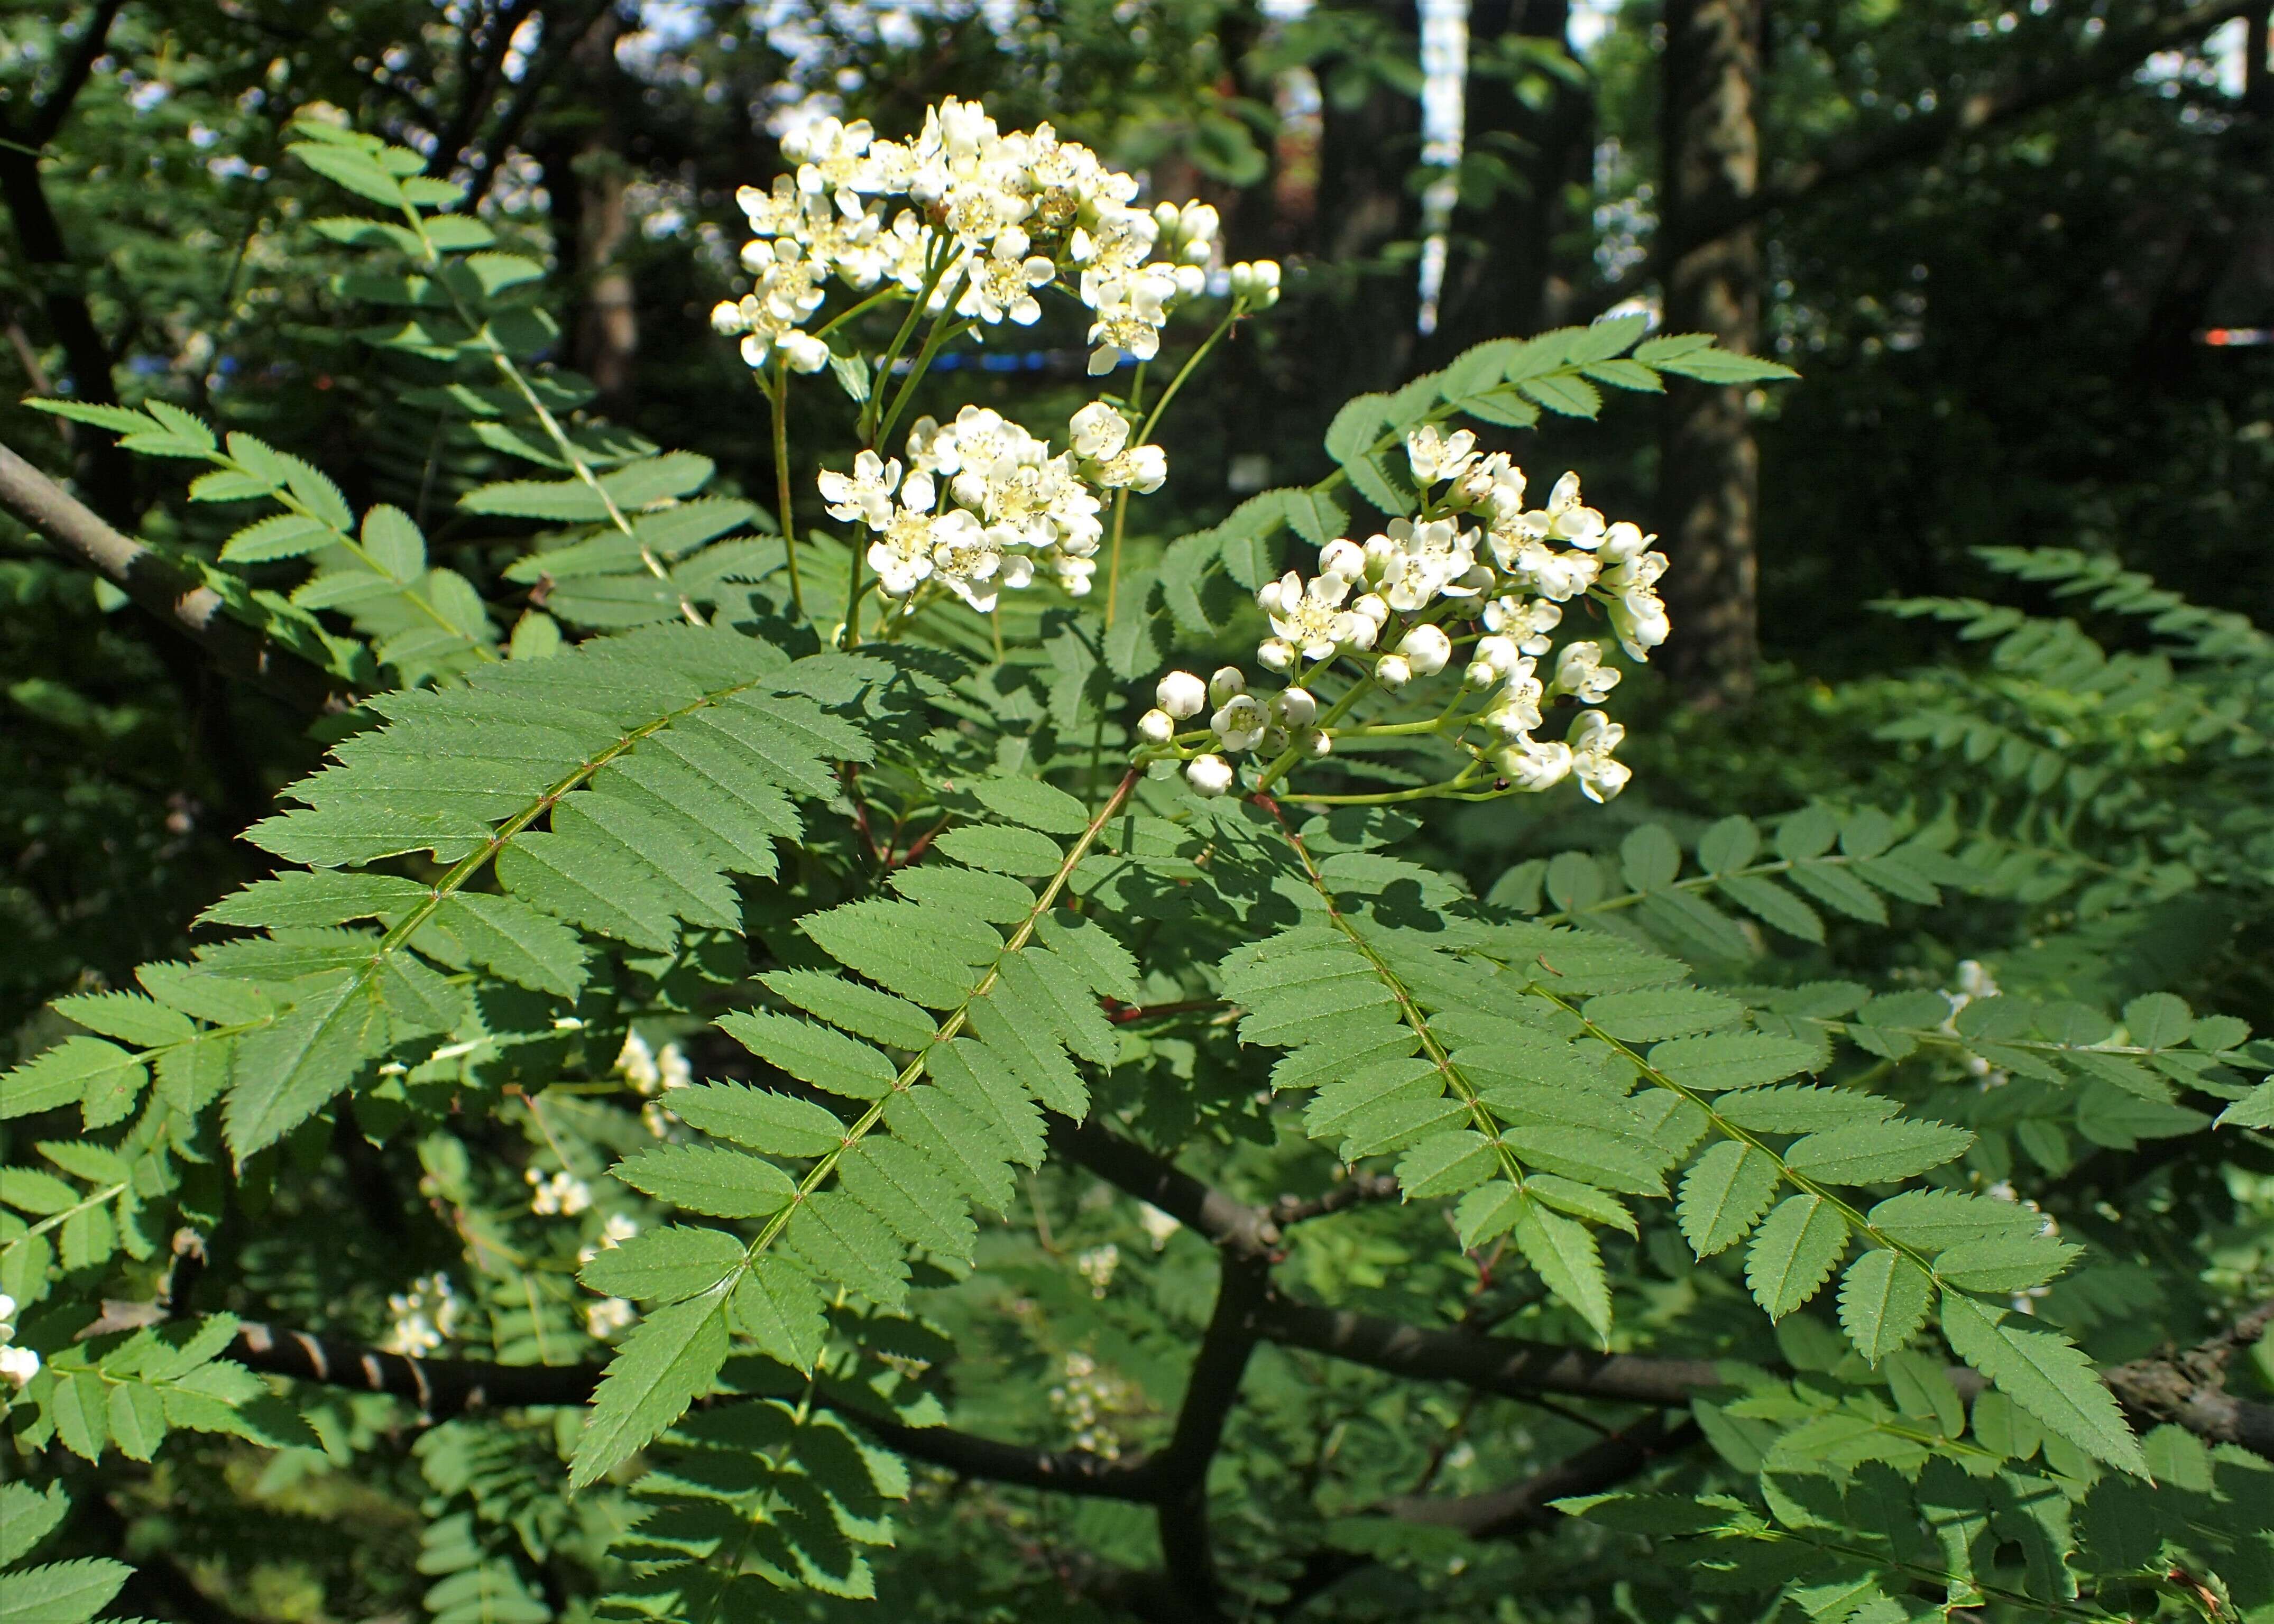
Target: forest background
<point>2021,258</point>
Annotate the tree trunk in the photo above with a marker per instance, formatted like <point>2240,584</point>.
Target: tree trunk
<point>1516,285</point>
<point>1709,467</point>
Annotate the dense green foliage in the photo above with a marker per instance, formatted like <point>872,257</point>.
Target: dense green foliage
<point>675,1108</point>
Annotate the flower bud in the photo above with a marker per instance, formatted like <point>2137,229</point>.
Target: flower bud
<point>1374,606</point>
<point>1275,654</point>
<point>1501,652</point>
<point>1342,557</point>
<point>1295,707</point>
<point>1164,215</point>
<point>1482,674</point>
<point>1226,683</point>
<point>1156,727</point>
<point>1393,671</point>
<point>1209,775</point>
<point>1426,648</point>
<point>1316,742</point>
<point>1190,280</point>
<point>1182,694</point>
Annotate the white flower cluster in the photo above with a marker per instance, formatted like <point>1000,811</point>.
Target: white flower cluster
<point>1011,212</point>
<point>1089,1400</point>
<point>652,1073</point>
<point>425,1316</point>
<point>1239,722</point>
<point>1097,1266</point>
<point>18,1365</point>
<point>563,1195</point>
<point>606,1316</point>
<point>982,505</point>
<point>1476,554</point>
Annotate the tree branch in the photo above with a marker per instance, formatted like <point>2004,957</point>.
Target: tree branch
<point>162,587</point>
<point>1520,1506</point>
<point>442,1388</point>
<point>1181,1469</point>
<point>48,117</point>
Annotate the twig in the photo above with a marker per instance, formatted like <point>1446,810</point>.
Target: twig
<point>165,588</point>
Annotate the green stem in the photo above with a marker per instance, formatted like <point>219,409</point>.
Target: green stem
<point>822,1168</point>
<point>933,272</point>
<point>945,327</point>
<point>554,432</point>
<point>778,397</point>
<point>1120,518</point>
<point>1145,434</point>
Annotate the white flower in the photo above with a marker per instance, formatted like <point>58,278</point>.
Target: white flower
<point>1098,431</point>
<point>1157,1224</point>
<point>1639,617</point>
<point>865,494</point>
<point>1623,541</point>
<point>1257,282</point>
<point>424,1317</point>
<point>902,554</point>
<point>1567,519</point>
<point>1527,619</point>
<point>1241,722</point>
<point>1535,765</point>
<point>18,1365</point>
<point>606,1317</point>
<point>965,556</point>
<point>1310,615</point>
<point>1182,694</point>
<point>1496,485</point>
<point>562,1195</point>
<point>1501,653</point>
<point>1275,654</point>
<point>1592,738</point>
<point>1342,557</point>
<point>1097,1266</point>
<point>1434,457</point>
<point>635,1064</point>
<point>1209,775</point>
<point>1295,708</point>
<point>1426,648</point>
<point>1580,672</point>
<point>1422,560</point>
<point>1555,575</point>
<point>1393,671</point>
<point>1002,284</point>
<point>1156,727</point>
<point>1141,468</point>
<point>671,1065</point>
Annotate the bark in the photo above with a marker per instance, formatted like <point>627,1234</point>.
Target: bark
<point>168,591</point>
<point>1709,470</point>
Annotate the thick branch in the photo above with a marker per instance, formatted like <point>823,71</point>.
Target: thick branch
<point>1520,1506</point>
<point>1180,1471</point>
<point>160,586</point>
<point>442,1388</point>
<point>2184,1390</point>
<point>1498,1365</point>
<point>1240,1230</point>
